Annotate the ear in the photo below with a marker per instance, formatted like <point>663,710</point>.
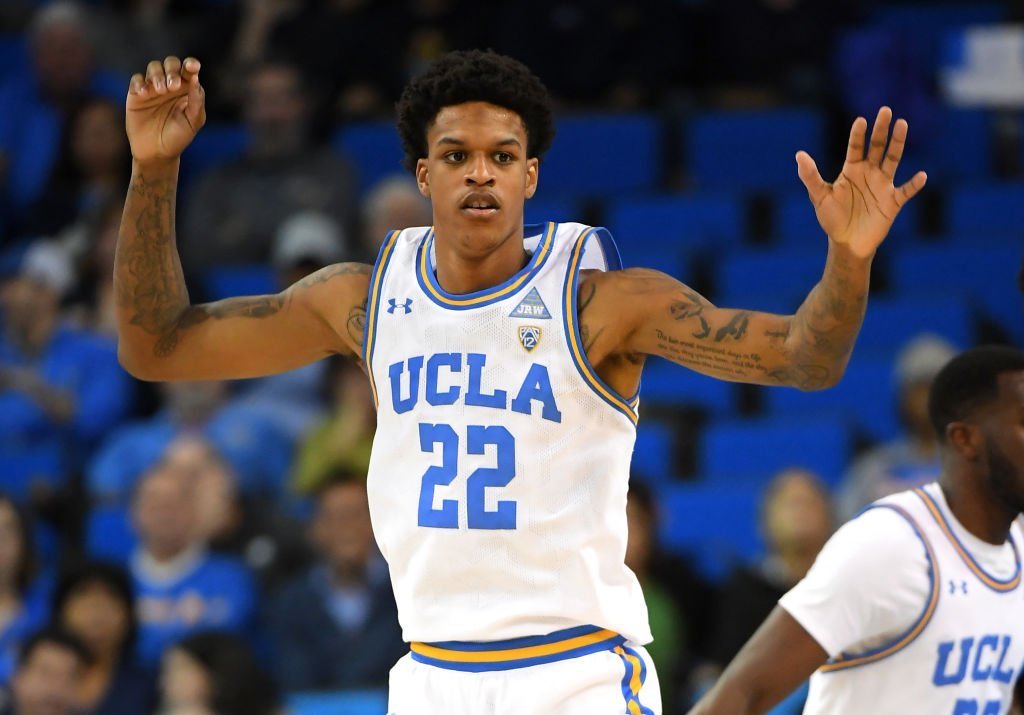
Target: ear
<point>966,439</point>
<point>532,176</point>
<point>422,180</point>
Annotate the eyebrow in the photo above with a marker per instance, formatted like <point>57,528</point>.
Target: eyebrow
<point>509,141</point>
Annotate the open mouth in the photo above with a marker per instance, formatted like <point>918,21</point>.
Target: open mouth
<point>480,204</point>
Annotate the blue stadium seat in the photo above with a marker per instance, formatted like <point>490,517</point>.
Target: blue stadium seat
<point>678,225</point>
<point>796,225</point>
<point>13,54</point>
<point>925,25</point>
<point>358,702</point>
<point>540,209</point>
<point>669,385</point>
<point>374,148</point>
<point>109,534</point>
<point>601,156</point>
<point>760,448</point>
<point>989,208</point>
<point>891,321</point>
<point>215,145</point>
<point>230,281</point>
<point>786,274</point>
<point>24,466</point>
<point>718,526</point>
<point>969,130</point>
<point>652,454</point>
<point>719,148</point>
<point>986,272</point>
<point>865,396</point>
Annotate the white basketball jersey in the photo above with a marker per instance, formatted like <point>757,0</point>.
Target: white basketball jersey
<point>964,652</point>
<point>499,471</point>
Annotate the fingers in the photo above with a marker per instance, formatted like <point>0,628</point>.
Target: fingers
<point>896,144</point>
<point>136,84</point>
<point>164,76</point>
<point>155,77</point>
<point>879,136</point>
<point>172,71</point>
<point>817,188</point>
<point>855,149</point>
<point>195,109</point>
<point>189,69</point>
<point>909,190</point>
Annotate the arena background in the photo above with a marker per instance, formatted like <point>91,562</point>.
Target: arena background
<point>677,128</point>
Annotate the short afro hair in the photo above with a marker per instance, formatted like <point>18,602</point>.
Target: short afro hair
<point>474,76</point>
<point>969,381</point>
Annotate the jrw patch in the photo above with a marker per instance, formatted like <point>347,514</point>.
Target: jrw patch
<point>532,306</point>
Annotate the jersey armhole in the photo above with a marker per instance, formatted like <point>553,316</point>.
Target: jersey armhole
<point>373,305</point>
<point>846,661</point>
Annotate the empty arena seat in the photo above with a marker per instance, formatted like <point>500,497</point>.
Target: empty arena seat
<point>652,453</point>
<point>669,385</point>
<point>762,447</point>
<point>786,274</point>
<point>359,702</point>
<point>794,222</point>
<point>891,321</point>
<point>373,147</point>
<point>678,224</point>
<point>924,26</point>
<point>716,525</point>
<point>866,396</point>
<point>230,281</point>
<point>216,144</point>
<point>603,155</point>
<point>987,208</point>
<point>751,150</point>
<point>541,209</point>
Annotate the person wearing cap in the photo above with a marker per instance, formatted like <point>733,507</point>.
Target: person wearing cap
<point>61,388</point>
<point>913,458</point>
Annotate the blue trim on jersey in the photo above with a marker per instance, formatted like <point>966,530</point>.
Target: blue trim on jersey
<point>612,257</point>
<point>845,661</point>
<point>373,305</point>
<point>633,682</point>
<point>477,657</point>
<point>570,321</point>
<point>428,279</point>
<point>990,581</point>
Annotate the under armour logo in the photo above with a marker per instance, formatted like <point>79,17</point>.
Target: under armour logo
<point>952,586</point>
<point>406,307</point>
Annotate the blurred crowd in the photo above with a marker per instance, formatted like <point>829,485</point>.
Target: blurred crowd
<point>206,547</point>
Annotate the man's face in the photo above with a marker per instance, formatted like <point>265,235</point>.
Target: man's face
<point>275,109</point>
<point>47,683</point>
<point>26,301</point>
<point>477,174</point>
<point>165,512</point>
<point>341,526</point>
<point>1003,428</point>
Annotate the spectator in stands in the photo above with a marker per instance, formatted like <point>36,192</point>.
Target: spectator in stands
<point>796,519</point>
<point>96,603</point>
<point>257,532</point>
<point>343,441</point>
<point>912,459</point>
<point>50,669</point>
<point>392,203</point>
<point>236,209</point>
<point>668,623</point>
<point>61,389</point>
<point>294,401</point>
<point>37,104</point>
<point>215,673</point>
<point>20,613</point>
<point>93,165</point>
<point>337,625</point>
<point>259,454</point>
<point>180,586</point>
<point>93,241</point>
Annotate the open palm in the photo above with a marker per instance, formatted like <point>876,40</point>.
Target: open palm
<point>164,109</point>
<point>858,208</point>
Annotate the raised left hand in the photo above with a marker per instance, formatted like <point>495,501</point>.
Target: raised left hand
<point>858,208</point>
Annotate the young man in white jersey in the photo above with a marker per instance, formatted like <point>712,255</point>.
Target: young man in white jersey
<point>917,604</point>
<point>505,362</point>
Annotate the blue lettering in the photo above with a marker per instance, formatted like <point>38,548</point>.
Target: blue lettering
<point>989,642</point>
<point>940,676</point>
<point>395,373</point>
<point>1001,675</point>
<point>965,707</point>
<point>452,361</point>
<point>498,399</point>
<point>537,386</point>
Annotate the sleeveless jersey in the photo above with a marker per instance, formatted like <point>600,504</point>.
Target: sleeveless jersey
<point>499,470</point>
<point>963,653</point>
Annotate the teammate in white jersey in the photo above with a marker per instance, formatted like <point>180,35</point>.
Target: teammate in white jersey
<point>917,604</point>
<point>505,361</point>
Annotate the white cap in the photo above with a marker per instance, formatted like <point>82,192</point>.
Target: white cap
<point>47,263</point>
<point>921,359</point>
<point>308,235</point>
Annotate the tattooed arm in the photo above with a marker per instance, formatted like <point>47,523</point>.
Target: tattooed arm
<point>161,336</point>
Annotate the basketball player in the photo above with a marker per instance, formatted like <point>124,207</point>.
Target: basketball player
<point>505,362</point>
<point>916,605</point>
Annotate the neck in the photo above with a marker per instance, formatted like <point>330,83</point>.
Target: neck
<point>460,271</point>
<point>977,510</point>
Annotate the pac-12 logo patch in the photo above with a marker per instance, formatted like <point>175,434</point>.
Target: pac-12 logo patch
<point>529,336</point>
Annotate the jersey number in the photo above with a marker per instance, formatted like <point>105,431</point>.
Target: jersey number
<point>477,439</point>
<point>970,707</point>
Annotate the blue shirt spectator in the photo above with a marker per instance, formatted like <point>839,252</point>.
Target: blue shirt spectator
<point>22,605</point>
<point>337,625</point>
<point>180,588</point>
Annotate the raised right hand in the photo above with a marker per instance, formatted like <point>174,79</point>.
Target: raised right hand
<point>164,109</point>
